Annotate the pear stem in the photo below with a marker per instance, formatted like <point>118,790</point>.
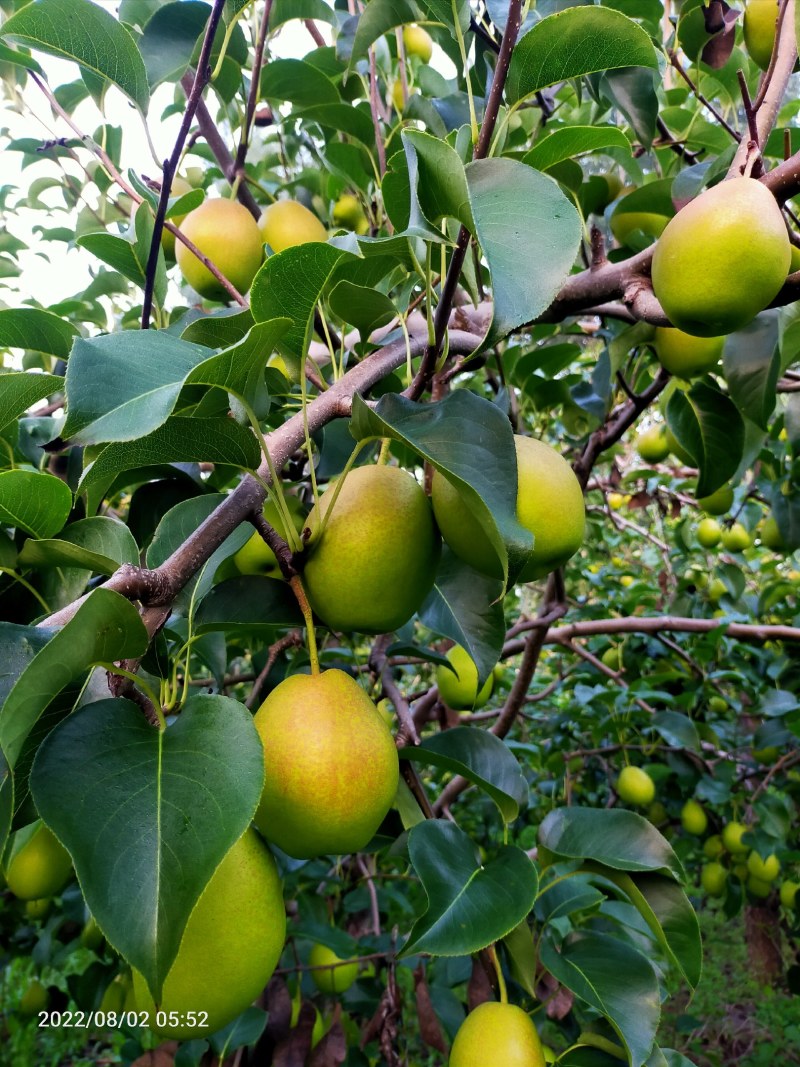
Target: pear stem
<point>305,607</point>
<point>501,982</point>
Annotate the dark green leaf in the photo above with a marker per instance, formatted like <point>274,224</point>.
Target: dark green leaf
<point>36,331</point>
<point>469,906</point>
<point>286,10</point>
<point>752,366</point>
<point>366,309</point>
<point>482,758</point>
<point>85,32</point>
<point>19,390</point>
<point>298,82</point>
<point>377,18</point>
<point>170,37</point>
<point>37,503</point>
<point>677,729</point>
<point>147,815</point>
<point>99,544</point>
<point>709,426</point>
<point>252,603</point>
<point>119,253</point>
<point>571,141</point>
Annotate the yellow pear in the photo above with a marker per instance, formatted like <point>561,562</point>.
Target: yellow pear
<point>625,223</point>
<point>229,949</point>
<point>336,979</point>
<point>693,818</point>
<point>287,222</point>
<point>460,691</point>
<point>635,786</point>
<point>713,878</point>
<point>348,212</point>
<point>684,355</point>
<point>497,1035</point>
<point>417,42</point>
<point>549,504</point>
<point>374,562</point>
<point>760,23</point>
<point>227,233</point>
<point>331,765</point>
<point>722,259</point>
<point>652,444</point>
<point>39,866</point>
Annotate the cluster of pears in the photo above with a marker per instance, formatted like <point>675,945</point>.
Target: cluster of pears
<point>757,873</point>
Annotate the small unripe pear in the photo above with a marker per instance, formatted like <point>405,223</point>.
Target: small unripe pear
<point>636,787</point>
<point>39,866</point>
<point>337,979</point>
<point>693,818</point>
<point>460,691</point>
<point>417,42</point>
<point>722,258</point>
<point>717,503</point>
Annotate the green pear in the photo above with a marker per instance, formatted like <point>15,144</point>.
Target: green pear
<point>693,818</point>
<point>717,503</point>
<point>652,444</point>
<point>337,979</point>
<point>287,223</point>
<point>722,258</point>
<point>713,878</point>
<point>255,556</point>
<point>549,504</point>
<point>686,356</point>
<point>636,787</point>
<point>497,1035</point>
<point>331,765</point>
<point>374,563</point>
<point>759,24</point>
<point>38,865</point>
<point>228,234</point>
<point>460,690</point>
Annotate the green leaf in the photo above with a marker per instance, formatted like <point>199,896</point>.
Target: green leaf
<point>709,426</point>
<point>677,729</point>
<point>616,980</point>
<point>286,10</point>
<point>124,385</point>
<point>366,309</point>
<point>252,603</point>
<point>21,59</point>
<point>470,906</point>
<point>377,18</point>
<point>119,253</point>
<point>482,467</point>
<point>148,815</point>
<point>574,42</point>
<point>480,757</point>
<point>752,366</point>
<point>36,331</point>
<point>37,503</point>
<point>616,838</point>
<point>438,185</point>
<point>19,390</point>
<point>179,440</point>
<point>665,908</point>
<point>633,91</point>
<point>298,82</point>
<point>342,117</point>
<point>289,285</point>
<point>572,141</point>
<point>105,628</point>
<point>85,32</point>
<point>219,329</point>
<point>521,216</point>
<point>170,37</point>
<point>442,11</point>
<point>100,545</point>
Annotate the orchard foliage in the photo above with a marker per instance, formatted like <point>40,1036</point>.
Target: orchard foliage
<point>468,258</point>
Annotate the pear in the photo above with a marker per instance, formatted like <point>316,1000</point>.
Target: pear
<point>497,1035</point>
<point>721,259</point>
<point>686,356</point>
<point>331,765</point>
<point>287,223</point>
<point>417,42</point>
<point>227,233</point>
<point>374,563</point>
<point>459,690</point>
<point>38,866</point>
<point>341,973</point>
<point>760,24</point>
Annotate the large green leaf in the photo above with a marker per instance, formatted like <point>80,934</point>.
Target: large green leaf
<point>170,37</point>
<point>467,607</point>
<point>616,980</point>
<point>377,18</point>
<point>36,331</point>
<point>469,905</point>
<point>147,815</point>
<point>251,603</point>
<point>483,467</point>
<point>574,42</point>
<point>709,426</point>
<point>752,366</point>
<point>480,757</point>
<point>299,82</point>
<point>87,33</point>
<point>99,544</point>
<point>619,839</point>
<point>18,390</point>
<point>37,503</point>
<point>286,10</point>
<point>571,141</point>
<point>178,440</point>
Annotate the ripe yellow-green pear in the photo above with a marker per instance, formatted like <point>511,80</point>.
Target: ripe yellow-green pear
<point>732,834</point>
<point>612,657</point>
<point>693,818</point>
<point>234,936</point>
<point>625,223</point>
<point>615,501</point>
<point>709,533</point>
<point>788,893</point>
<point>460,690</point>
<point>115,994</point>
<point>626,581</point>
<point>417,42</point>
<point>497,1035</point>
<point>287,223</point>
<point>179,187</point>
<point>35,999</point>
<point>768,754</point>
<point>636,787</point>
<point>335,979</point>
<point>397,97</point>
<point>374,562</point>
<point>767,870</point>
<point>794,266</point>
<point>348,212</point>
<point>716,591</point>
<point>718,704</point>
<point>331,765</point>
<point>227,233</point>
<point>39,866</point>
<point>736,538</point>
<point>713,878</point>
<point>717,503</point>
<point>721,259</point>
<point>686,356</point>
<point>770,535</point>
<point>758,887</point>
<point>652,444</point>
<point>549,504</point>
<point>760,25</point>
<point>713,847</point>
